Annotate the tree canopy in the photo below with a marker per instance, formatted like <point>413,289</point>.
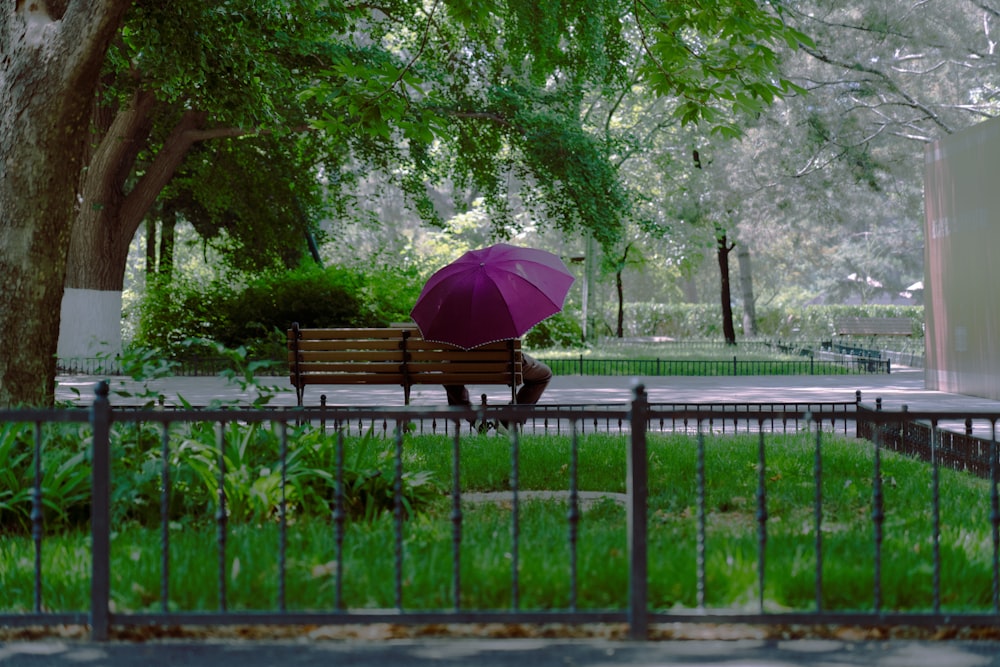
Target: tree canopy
<point>104,99</point>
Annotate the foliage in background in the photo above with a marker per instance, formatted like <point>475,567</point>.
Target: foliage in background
<point>560,330</point>
<point>257,314</point>
<point>699,321</point>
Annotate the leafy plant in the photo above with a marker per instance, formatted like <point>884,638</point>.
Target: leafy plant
<point>65,474</point>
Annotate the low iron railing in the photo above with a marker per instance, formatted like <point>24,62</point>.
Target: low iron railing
<point>845,365</point>
<point>636,422</point>
<point>806,364</point>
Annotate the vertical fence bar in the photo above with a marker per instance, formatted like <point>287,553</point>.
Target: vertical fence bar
<point>398,515</point>
<point>573,516</point>
<point>37,517</point>
<point>100,515</point>
<point>701,553</point>
<point>165,517</point>
<point>995,515</point>
<point>283,519</point>
<point>936,513</point>
<point>818,512</point>
<point>761,516</point>
<point>515,519</point>
<point>638,489</point>
<point>878,514</point>
<point>456,517</point>
<point>339,517</point>
<point>221,518</point>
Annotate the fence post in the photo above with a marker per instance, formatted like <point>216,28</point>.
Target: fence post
<point>637,487</point>
<point>100,514</point>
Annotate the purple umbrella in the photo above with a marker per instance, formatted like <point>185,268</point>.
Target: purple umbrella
<point>492,294</point>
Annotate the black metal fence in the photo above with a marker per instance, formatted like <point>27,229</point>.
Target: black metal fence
<point>852,361</point>
<point>845,365</point>
<point>636,422</point>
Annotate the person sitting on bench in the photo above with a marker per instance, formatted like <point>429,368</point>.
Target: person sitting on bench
<point>536,376</point>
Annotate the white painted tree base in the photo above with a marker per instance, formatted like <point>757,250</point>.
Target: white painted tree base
<point>91,324</point>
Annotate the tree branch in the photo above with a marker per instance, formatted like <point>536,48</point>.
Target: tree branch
<point>886,80</point>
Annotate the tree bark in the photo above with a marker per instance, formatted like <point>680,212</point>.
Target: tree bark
<point>150,248</point>
<point>50,71</point>
<point>723,249</point>
<point>111,214</point>
<point>168,235</point>
<point>746,289</point>
<point>620,288</point>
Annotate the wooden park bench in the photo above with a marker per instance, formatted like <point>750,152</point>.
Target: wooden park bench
<point>874,326</point>
<point>396,356</point>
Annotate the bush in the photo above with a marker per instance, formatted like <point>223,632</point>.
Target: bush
<point>312,297</point>
<point>560,330</point>
<point>257,315</point>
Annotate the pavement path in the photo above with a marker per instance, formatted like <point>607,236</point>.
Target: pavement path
<point>503,653</point>
<point>901,387</point>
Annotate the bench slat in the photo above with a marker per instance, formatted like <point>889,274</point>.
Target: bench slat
<point>354,334</point>
<point>454,367</point>
<point>376,356</point>
<point>493,360</point>
<point>306,344</point>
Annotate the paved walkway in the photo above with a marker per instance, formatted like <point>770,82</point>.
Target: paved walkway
<point>503,653</point>
<point>902,387</point>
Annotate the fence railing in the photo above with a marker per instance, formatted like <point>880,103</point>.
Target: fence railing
<point>636,422</point>
<point>842,363</point>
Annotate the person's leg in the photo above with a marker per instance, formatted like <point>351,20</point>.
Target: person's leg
<point>536,378</point>
<point>458,394</point>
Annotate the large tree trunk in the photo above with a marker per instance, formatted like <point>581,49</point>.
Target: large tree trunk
<point>48,79</point>
<point>723,249</point>
<point>108,220</point>
<point>746,289</point>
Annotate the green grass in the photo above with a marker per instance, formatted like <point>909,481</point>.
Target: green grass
<point>251,570</point>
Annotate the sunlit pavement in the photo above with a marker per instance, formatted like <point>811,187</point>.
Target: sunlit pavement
<point>505,653</point>
<point>901,387</point>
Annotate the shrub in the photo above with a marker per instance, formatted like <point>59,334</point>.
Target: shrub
<point>257,315</point>
<point>560,330</point>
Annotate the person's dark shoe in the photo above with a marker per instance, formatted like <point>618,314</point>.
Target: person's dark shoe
<point>482,426</point>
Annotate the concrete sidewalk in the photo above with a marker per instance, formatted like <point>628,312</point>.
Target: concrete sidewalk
<point>902,387</point>
<point>503,653</point>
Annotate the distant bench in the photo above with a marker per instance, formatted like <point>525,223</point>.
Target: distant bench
<point>395,356</point>
<point>874,326</point>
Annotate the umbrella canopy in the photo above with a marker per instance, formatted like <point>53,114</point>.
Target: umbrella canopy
<point>491,294</point>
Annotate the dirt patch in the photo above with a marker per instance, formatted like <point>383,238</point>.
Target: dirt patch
<point>586,498</point>
<point>608,631</point>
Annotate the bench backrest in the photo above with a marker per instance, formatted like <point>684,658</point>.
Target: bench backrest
<point>395,356</point>
<point>874,326</point>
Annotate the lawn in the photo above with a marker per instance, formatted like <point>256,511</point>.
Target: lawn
<point>251,569</point>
